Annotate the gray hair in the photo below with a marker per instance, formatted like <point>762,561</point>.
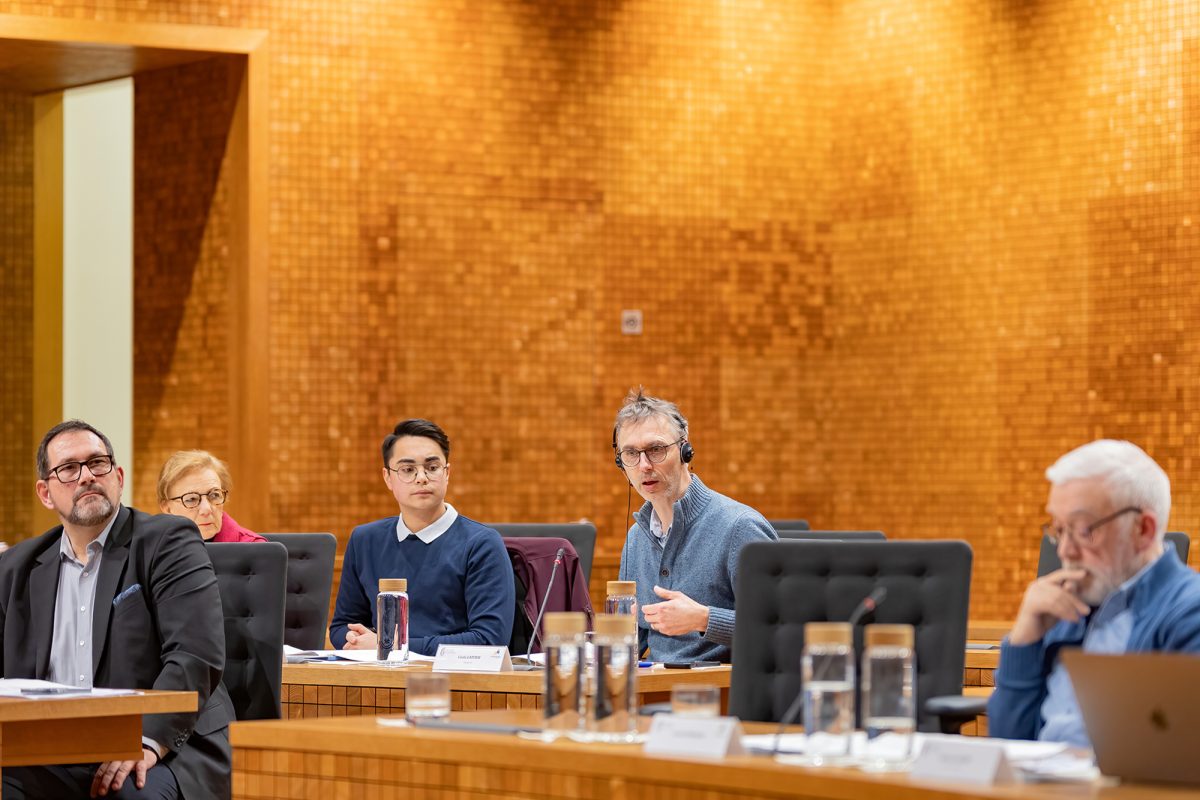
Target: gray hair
<point>1130,475</point>
<point>640,406</point>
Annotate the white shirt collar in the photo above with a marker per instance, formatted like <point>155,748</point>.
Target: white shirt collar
<point>68,551</point>
<point>429,532</point>
<point>656,527</point>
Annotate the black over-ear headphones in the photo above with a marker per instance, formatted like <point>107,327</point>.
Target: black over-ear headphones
<point>686,451</point>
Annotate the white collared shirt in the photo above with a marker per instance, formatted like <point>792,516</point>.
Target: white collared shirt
<point>656,528</point>
<point>429,532</point>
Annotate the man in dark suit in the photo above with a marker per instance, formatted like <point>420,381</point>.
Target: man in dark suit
<point>116,598</point>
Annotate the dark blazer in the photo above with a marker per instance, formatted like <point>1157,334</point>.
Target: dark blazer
<point>157,624</point>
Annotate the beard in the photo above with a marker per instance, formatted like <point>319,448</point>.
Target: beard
<point>1097,585</point>
<point>94,513</point>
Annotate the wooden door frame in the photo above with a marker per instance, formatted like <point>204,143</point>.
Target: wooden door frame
<point>124,49</point>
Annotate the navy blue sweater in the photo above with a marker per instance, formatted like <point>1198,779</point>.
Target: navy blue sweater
<point>460,587</point>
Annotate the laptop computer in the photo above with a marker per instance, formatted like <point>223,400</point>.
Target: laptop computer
<point>1142,713</point>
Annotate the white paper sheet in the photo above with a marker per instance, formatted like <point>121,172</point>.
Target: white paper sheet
<point>46,690</point>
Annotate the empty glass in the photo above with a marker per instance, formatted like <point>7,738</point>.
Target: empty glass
<point>696,700</point>
<point>427,696</point>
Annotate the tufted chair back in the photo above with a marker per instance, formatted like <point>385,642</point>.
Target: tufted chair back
<point>581,535</point>
<point>834,536</point>
<point>782,585</point>
<point>309,582</point>
<point>1048,556</point>
<point>251,577</point>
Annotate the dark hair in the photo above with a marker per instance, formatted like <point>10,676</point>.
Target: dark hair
<point>416,427</point>
<point>43,460</point>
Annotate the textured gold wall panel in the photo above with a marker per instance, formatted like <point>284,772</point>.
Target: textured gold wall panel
<point>16,314</point>
<point>894,257</point>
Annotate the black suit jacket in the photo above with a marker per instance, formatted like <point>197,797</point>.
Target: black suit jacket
<point>157,624</point>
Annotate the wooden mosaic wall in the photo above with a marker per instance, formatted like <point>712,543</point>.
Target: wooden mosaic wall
<point>892,257</point>
<point>16,315</point>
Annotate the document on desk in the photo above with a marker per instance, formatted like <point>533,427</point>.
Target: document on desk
<point>35,689</point>
<point>1018,752</point>
<point>294,655</point>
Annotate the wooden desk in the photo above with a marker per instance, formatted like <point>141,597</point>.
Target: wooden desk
<point>356,757</point>
<point>73,730</point>
<point>341,690</point>
<point>981,667</point>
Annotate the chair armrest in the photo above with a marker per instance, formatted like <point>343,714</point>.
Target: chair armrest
<point>953,711</point>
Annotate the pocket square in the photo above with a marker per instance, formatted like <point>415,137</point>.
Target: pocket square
<point>128,590</point>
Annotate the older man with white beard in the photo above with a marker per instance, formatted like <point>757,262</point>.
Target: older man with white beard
<point>1118,591</point>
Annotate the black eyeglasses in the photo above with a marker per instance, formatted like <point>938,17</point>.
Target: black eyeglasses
<point>216,497</point>
<point>1082,533</point>
<point>70,471</point>
<point>655,453</point>
<point>407,473</point>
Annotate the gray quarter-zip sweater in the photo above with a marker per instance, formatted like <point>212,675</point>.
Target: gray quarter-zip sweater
<point>699,558</point>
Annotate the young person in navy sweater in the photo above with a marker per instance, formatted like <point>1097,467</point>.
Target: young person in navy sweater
<point>460,579</point>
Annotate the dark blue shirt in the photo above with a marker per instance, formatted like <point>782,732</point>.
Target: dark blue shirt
<point>460,585</point>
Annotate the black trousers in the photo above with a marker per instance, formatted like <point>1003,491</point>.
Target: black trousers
<point>69,781</point>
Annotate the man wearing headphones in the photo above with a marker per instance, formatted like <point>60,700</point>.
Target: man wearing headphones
<point>683,547</point>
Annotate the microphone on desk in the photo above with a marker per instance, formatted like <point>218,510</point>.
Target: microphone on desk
<point>868,604</point>
<point>526,663</point>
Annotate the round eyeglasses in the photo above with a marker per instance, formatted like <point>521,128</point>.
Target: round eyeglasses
<point>216,497</point>
<point>655,453</point>
<point>1082,534</point>
<point>407,473</point>
<point>69,472</point>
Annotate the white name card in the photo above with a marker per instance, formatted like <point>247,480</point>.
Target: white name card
<point>471,658</point>
<point>961,759</point>
<point>696,737</point>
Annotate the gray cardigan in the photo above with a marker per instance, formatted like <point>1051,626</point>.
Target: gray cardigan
<point>700,559</point>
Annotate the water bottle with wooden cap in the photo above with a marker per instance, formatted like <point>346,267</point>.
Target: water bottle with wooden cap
<point>889,710</point>
<point>827,670</point>
<point>612,710</point>
<point>391,619</point>
<point>621,598</point>
<point>563,698</point>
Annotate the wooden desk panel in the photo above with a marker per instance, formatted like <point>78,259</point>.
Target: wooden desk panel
<point>981,667</point>
<point>71,730</point>
<point>337,690</point>
<point>301,759</point>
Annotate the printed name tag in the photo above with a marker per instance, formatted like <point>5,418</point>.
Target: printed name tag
<point>960,759</point>
<point>471,658</point>
<point>697,737</point>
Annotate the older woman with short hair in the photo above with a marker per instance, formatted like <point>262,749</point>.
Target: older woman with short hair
<point>195,484</point>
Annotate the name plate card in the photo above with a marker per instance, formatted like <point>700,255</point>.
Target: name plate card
<point>471,658</point>
<point>959,759</point>
<point>710,738</point>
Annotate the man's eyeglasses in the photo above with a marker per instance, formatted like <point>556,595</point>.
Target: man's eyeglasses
<point>216,497</point>
<point>655,453</point>
<point>1082,534</point>
<point>407,473</point>
<point>70,471</point>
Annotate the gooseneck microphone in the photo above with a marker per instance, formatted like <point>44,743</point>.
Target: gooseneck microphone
<point>526,663</point>
<point>868,604</point>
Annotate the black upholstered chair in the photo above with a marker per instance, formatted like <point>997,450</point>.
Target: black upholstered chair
<point>1048,557</point>
<point>251,577</point>
<point>832,536</point>
<point>788,524</point>
<point>783,585</point>
<point>581,535</point>
<point>309,582</point>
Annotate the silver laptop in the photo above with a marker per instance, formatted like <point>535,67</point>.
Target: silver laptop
<point>1142,712</point>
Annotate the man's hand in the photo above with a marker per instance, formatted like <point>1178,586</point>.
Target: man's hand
<point>679,614</point>
<point>360,637</point>
<point>1048,600</point>
<point>110,776</point>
